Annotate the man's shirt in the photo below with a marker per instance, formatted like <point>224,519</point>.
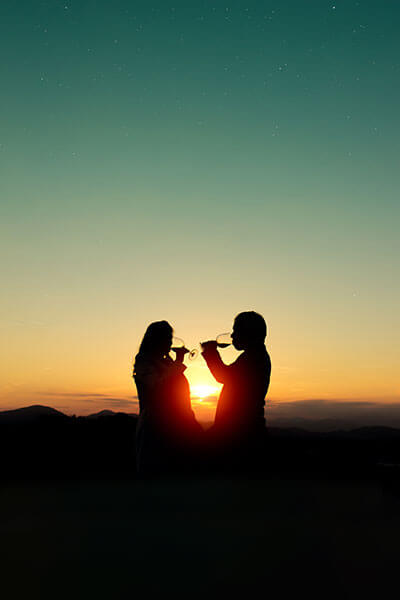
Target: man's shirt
<point>240,408</point>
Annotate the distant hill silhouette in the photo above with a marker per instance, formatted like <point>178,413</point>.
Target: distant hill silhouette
<point>374,433</point>
<point>108,413</point>
<point>360,433</point>
<point>39,441</point>
<point>29,414</point>
<point>313,424</point>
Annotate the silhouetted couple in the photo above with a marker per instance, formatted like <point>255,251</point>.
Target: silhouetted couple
<point>168,437</point>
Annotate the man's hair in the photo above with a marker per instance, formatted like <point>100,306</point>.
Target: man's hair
<point>253,324</point>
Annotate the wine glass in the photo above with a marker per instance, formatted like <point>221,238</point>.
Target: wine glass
<point>179,343</point>
<point>224,340</point>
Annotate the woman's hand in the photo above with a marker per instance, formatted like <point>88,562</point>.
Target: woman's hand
<point>180,354</point>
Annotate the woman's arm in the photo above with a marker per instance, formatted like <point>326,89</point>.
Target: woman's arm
<point>151,374</point>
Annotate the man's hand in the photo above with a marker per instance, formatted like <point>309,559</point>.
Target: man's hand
<point>209,345</point>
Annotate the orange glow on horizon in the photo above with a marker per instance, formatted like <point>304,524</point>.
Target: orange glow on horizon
<point>203,390</point>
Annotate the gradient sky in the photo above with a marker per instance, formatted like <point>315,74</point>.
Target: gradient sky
<point>187,162</point>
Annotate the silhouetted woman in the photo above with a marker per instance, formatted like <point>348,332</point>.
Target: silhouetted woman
<point>167,433</point>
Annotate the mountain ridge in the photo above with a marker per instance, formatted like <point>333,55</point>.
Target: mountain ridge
<point>330,428</point>
<point>30,413</point>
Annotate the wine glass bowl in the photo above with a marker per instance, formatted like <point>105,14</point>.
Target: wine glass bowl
<point>224,340</point>
<point>178,343</point>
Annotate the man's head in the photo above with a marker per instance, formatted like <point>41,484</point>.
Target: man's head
<point>249,329</point>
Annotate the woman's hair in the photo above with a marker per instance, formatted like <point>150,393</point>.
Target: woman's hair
<point>155,333</point>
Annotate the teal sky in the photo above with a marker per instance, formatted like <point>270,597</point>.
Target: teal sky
<point>191,160</point>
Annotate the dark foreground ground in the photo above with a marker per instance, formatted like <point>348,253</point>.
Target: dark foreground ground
<point>253,538</point>
<point>319,519</point>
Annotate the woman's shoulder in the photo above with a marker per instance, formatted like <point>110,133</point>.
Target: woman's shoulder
<point>144,365</point>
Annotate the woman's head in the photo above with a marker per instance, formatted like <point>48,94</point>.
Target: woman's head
<point>157,340</point>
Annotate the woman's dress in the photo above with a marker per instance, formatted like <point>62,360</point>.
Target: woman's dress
<point>167,433</point>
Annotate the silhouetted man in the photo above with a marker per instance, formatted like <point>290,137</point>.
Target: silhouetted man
<point>239,428</point>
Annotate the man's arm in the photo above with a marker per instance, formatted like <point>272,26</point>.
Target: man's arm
<point>215,363</point>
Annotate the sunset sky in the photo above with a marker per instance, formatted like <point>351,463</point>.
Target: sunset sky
<point>188,161</point>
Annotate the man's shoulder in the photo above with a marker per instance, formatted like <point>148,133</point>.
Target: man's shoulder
<point>258,360</point>
<point>258,354</point>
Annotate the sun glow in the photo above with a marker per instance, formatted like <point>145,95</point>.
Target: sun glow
<point>203,390</point>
